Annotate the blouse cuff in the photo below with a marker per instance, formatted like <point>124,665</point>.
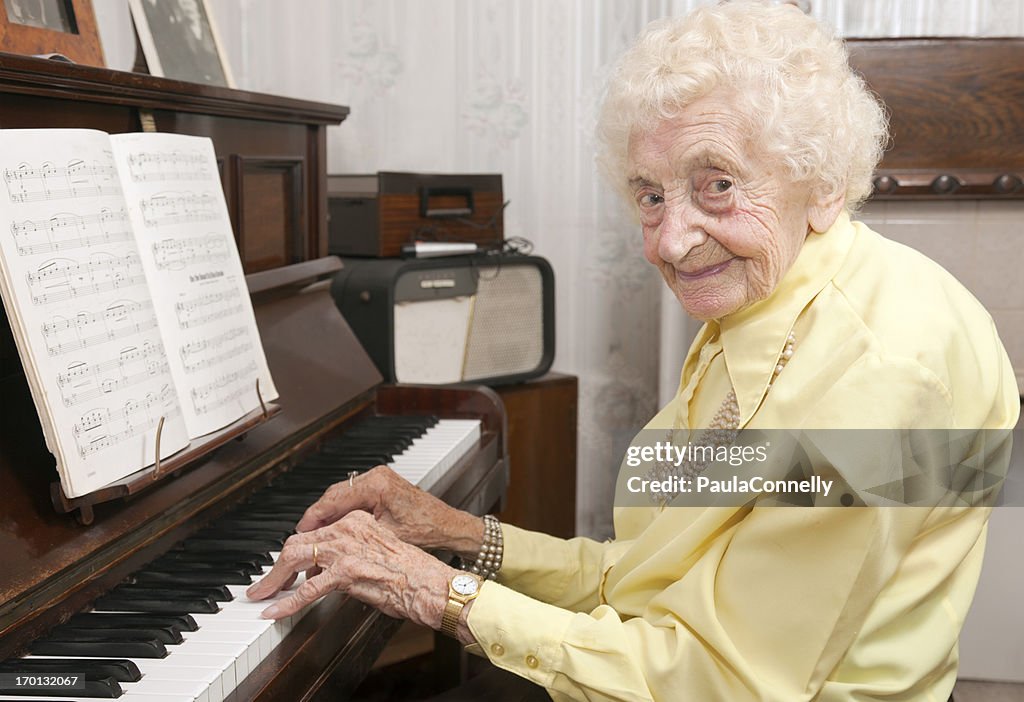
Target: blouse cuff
<point>518,633</point>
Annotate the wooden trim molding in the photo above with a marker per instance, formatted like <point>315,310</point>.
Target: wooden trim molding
<point>26,75</point>
<point>956,116</point>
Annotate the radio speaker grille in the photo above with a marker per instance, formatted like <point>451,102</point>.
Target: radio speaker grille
<point>506,335</point>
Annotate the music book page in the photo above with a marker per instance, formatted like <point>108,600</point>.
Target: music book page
<point>176,205</point>
<point>126,297</point>
<point>76,297</point>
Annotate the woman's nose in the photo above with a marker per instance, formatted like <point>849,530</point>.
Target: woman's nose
<point>680,232</point>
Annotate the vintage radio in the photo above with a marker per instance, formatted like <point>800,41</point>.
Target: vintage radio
<point>447,320</point>
<point>375,215</point>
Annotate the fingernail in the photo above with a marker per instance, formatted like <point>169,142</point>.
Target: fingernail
<point>271,612</point>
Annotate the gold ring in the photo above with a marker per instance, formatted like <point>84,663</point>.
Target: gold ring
<point>315,554</point>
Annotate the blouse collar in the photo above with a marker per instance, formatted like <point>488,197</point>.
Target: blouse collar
<point>753,338</point>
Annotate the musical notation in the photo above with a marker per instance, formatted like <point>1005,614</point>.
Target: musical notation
<point>168,209</point>
<point>211,396</point>
<point>168,165</point>
<point>203,309</point>
<point>176,254</point>
<point>83,382</point>
<point>70,231</point>
<point>196,355</point>
<point>65,279</point>
<point>77,179</point>
<point>103,428</point>
<point>119,320</point>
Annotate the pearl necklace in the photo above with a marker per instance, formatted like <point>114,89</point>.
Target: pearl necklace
<point>722,431</point>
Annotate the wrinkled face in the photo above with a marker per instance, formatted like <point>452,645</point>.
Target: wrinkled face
<point>721,223</point>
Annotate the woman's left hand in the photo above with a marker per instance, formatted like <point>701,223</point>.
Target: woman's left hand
<point>364,559</point>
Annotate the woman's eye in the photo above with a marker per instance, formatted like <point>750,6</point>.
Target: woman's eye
<point>650,199</point>
<point>720,186</point>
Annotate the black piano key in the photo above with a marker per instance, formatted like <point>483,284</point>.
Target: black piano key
<point>252,510</point>
<point>313,479</point>
<point>367,459</point>
<point>167,635</point>
<point>284,525</point>
<point>163,565</point>
<point>122,670</point>
<point>384,429</point>
<point>318,480</point>
<point>297,498</point>
<point>283,500</point>
<point>193,560</point>
<point>196,578</point>
<point>261,558</point>
<point>102,688</point>
<point>243,533</point>
<point>325,464</point>
<point>305,487</point>
<point>199,605</point>
<point>99,648</point>
<point>86,635</point>
<point>390,437</point>
<point>243,545</point>
<point>217,593</point>
<point>368,446</point>
<point>100,620</point>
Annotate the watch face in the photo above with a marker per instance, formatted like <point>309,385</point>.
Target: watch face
<point>465,584</point>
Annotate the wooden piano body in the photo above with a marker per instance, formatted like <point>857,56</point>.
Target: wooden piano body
<point>272,156</point>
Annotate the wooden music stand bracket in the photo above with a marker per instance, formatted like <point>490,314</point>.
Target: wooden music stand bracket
<point>148,477</point>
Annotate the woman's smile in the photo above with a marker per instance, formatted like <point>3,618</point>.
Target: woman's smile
<point>705,272</point>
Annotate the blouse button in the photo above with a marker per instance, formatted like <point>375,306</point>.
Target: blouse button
<point>497,649</point>
<point>532,662</point>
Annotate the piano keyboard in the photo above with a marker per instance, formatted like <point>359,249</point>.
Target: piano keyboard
<point>181,628</point>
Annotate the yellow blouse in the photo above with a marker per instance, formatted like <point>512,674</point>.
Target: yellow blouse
<point>824,603</point>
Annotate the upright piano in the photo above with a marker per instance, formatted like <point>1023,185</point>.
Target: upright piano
<point>178,552</point>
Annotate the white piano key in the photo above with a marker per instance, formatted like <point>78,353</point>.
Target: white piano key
<point>223,664</point>
<point>440,447</point>
<point>183,666</point>
<point>235,651</point>
<point>211,678</point>
<point>153,688</point>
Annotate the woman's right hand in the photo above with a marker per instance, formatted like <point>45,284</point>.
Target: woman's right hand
<point>415,516</point>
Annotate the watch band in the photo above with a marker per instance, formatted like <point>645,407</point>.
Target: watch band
<point>450,618</point>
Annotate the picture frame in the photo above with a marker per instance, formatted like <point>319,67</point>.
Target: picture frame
<point>179,40</point>
<point>47,27</point>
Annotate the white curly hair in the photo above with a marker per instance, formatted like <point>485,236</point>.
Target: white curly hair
<point>788,75</point>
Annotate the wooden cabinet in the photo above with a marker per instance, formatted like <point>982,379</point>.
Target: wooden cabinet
<point>542,453</point>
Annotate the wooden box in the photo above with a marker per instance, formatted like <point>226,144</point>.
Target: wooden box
<point>375,215</point>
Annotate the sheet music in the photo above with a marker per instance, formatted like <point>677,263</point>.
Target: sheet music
<point>176,205</point>
<point>76,296</point>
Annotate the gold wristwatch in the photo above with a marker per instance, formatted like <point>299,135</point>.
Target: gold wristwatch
<point>462,588</point>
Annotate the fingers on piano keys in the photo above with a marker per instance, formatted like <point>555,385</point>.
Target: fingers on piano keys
<point>181,629</point>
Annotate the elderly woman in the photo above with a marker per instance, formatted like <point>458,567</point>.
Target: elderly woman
<point>744,141</point>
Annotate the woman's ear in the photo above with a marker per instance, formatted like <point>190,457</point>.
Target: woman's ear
<point>824,208</point>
